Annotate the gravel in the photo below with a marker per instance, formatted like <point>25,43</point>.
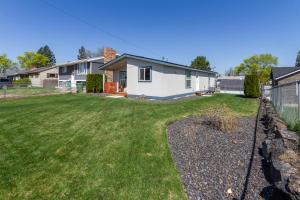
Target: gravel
<point>213,164</point>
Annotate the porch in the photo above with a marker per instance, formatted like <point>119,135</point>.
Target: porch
<point>116,79</point>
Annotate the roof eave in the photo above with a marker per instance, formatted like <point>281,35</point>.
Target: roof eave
<point>154,61</point>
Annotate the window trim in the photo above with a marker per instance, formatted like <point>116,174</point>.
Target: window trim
<point>49,75</point>
<point>85,69</point>
<point>64,69</point>
<point>139,77</point>
<point>188,79</point>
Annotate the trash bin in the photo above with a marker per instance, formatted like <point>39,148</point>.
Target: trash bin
<point>79,87</point>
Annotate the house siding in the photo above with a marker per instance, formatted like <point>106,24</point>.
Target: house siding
<point>289,79</point>
<point>37,78</point>
<point>95,68</point>
<point>166,81</point>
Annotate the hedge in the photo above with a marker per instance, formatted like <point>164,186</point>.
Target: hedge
<point>23,81</point>
<point>94,83</point>
<point>251,86</point>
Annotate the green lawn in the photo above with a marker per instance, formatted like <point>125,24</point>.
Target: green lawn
<point>26,91</point>
<point>88,147</point>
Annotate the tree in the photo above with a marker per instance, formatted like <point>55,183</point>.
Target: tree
<point>92,54</point>
<point>230,72</point>
<point>33,60</point>
<point>46,51</point>
<point>251,86</point>
<point>200,62</point>
<point>298,60</point>
<point>82,54</point>
<point>5,63</point>
<point>259,65</point>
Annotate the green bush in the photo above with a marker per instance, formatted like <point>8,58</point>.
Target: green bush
<point>94,83</point>
<point>23,81</point>
<point>251,86</point>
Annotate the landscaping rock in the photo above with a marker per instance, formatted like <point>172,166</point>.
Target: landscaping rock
<point>282,155</point>
<point>213,164</point>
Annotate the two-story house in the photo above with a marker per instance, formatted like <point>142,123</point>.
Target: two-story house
<point>72,73</point>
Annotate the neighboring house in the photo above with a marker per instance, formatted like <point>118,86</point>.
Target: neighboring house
<point>157,79</point>
<point>231,84</point>
<point>14,73</point>
<point>72,73</point>
<point>43,76</point>
<point>283,75</point>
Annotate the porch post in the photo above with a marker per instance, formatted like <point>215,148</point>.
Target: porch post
<point>103,80</point>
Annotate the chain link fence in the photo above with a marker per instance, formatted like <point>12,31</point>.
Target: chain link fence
<point>285,99</point>
<point>23,90</point>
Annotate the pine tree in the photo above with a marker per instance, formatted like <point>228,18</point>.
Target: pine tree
<point>82,54</point>
<point>298,60</point>
<point>46,51</point>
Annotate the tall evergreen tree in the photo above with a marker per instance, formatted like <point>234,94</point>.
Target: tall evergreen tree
<point>82,54</point>
<point>298,60</point>
<point>46,51</point>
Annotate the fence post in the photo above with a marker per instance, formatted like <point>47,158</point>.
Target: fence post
<point>298,99</point>
<point>4,90</point>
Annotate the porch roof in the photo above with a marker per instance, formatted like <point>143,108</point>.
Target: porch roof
<point>162,62</point>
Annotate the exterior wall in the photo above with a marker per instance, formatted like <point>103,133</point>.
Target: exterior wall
<point>37,78</point>
<point>289,79</point>
<point>166,81</point>
<point>72,76</point>
<point>212,82</point>
<point>95,68</point>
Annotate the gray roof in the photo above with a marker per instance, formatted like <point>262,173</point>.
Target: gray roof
<point>40,69</point>
<point>94,59</point>
<point>13,71</point>
<point>279,72</point>
<point>162,62</point>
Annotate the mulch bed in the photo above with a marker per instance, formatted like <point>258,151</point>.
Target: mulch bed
<point>212,162</point>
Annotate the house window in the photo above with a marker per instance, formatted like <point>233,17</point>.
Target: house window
<point>64,84</point>
<point>82,68</point>
<point>51,75</point>
<point>64,70</point>
<point>188,79</point>
<point>145,73</point>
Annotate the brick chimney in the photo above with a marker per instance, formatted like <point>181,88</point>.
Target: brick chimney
<point>108,54</point>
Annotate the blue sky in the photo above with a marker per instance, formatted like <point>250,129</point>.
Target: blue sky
<point>225,31</point>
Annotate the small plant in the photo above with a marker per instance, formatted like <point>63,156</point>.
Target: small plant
<point>23,81</point>
<point>220,118</point>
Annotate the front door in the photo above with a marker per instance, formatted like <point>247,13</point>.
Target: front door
<point>122,80</point>
<point>197,83</point>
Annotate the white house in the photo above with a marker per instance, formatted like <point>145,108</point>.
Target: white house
<point>156,79</point>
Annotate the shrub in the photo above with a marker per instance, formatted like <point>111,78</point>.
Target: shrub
<point>220,118</point>
<point>94,83</point>
<point>23,81</point>
<point>251,86</point>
